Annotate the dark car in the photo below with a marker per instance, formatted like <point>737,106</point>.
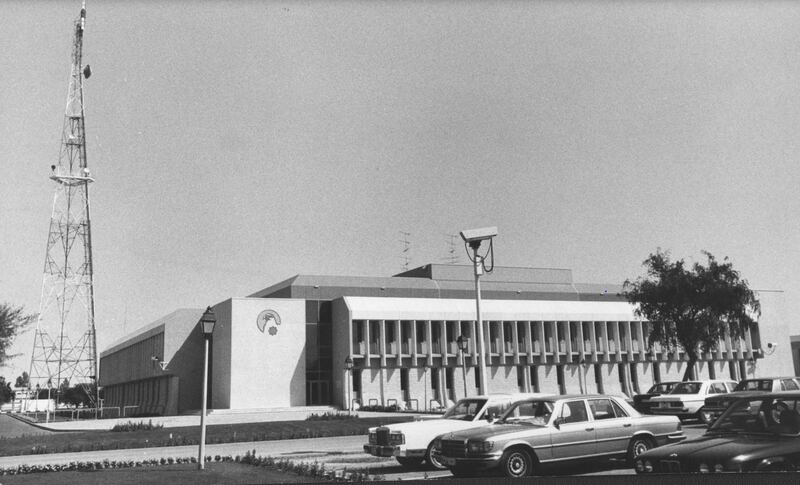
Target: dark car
<point>641,402</point>
<point>756,433</point>
<point>715,405</point>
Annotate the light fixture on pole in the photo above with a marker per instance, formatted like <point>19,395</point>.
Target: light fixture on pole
<point>206,323</point>
<point>348,367</point>
<point>425,382</point>
<point>49,388</point>
<point>473,238</point>
<point>463,347</point>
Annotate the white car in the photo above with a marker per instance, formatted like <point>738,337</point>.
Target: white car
<point>410,443</point>
<point>687,398</point>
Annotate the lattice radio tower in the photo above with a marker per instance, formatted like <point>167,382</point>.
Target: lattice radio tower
<point>65,343</point>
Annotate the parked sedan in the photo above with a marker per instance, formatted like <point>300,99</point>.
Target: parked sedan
<point>411,443</point>
<point>756,433</point>
<point>554,429</point>
<point>715,405</point>
<point>642,401</point>
<point>688,398</point>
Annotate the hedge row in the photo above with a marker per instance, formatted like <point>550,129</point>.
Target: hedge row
<point>301,468</point>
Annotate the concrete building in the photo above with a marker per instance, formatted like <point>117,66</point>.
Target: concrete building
<point>286,345</point>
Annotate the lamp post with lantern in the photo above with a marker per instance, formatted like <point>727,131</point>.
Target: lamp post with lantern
<point>348,367</point>
<point>206,323</point>
<point>463,346</point>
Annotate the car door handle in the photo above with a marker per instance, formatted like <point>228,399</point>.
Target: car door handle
<point>589,429</point>
<point>626,425</point>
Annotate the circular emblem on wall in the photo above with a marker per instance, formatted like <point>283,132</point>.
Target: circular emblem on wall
<point>270,320</point>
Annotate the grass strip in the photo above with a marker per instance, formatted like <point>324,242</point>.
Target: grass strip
<point>224,433</point>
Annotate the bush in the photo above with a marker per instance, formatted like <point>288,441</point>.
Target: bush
<point>330,416</point>
<point>138,426</point>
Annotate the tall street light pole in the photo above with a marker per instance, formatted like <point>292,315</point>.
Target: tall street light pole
<point>473,238</point>
<point>206,323</point>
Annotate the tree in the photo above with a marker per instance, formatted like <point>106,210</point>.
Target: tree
<point>12,322</point>
<point>22,381</point>
<point>6,394</point>
<point>692,308</point>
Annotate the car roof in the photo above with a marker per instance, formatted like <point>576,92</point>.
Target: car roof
<point>750,379</point>
<point>555,397</point>
<point>765,394</point>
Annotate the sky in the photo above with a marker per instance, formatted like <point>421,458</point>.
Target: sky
<point>236,144</point>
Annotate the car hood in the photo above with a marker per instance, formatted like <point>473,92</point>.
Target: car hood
<point>433,426</point>
<point>725,447</point>
<point>496,430</point>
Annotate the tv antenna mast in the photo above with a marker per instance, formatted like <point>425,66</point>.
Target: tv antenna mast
<point>65,342</point>
<point>406,256</point>
<point>452,256</point>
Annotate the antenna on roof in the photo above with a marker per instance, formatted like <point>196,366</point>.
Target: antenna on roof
<point>406,254</point>
<point>452,256</point>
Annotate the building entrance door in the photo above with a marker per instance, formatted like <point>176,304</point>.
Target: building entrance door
<point>317,393</point>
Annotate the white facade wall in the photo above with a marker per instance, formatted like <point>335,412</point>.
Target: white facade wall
<point>256,367</point>
<point>606,336</point>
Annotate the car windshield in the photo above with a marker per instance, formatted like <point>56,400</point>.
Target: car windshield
<point>686,388</point>
<point>754,385</point>
<point>536,413</point>
<point>760,415</point>
<point>662,388</point>
<point>465,409</point>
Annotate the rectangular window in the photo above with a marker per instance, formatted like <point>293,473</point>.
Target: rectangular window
<point>449,378</point>
<point>404,380</point>
<point>390,331</point>
<point>451,337</point>
<point>508,336</point>
<point>477,377</point>
<point>436,332</point>
<point>598,378</point>
<point>374,335</point>
<point>422,338</point>
<point>522,328</point>
<point>560,379</point>
<point>534,378</point>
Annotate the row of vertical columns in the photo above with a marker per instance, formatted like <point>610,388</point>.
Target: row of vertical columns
<point>601,333</point>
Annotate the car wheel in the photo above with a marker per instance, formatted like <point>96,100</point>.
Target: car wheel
<point>706,417</point>
<point>637,446</point>
<point>516,463</point>
<point>431,459</point>
<point>408,462</point>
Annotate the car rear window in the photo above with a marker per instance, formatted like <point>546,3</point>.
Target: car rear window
<point>687,388</point>
<point>754,385</point>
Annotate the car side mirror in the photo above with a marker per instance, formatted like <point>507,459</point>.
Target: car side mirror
<point>557,422</point>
